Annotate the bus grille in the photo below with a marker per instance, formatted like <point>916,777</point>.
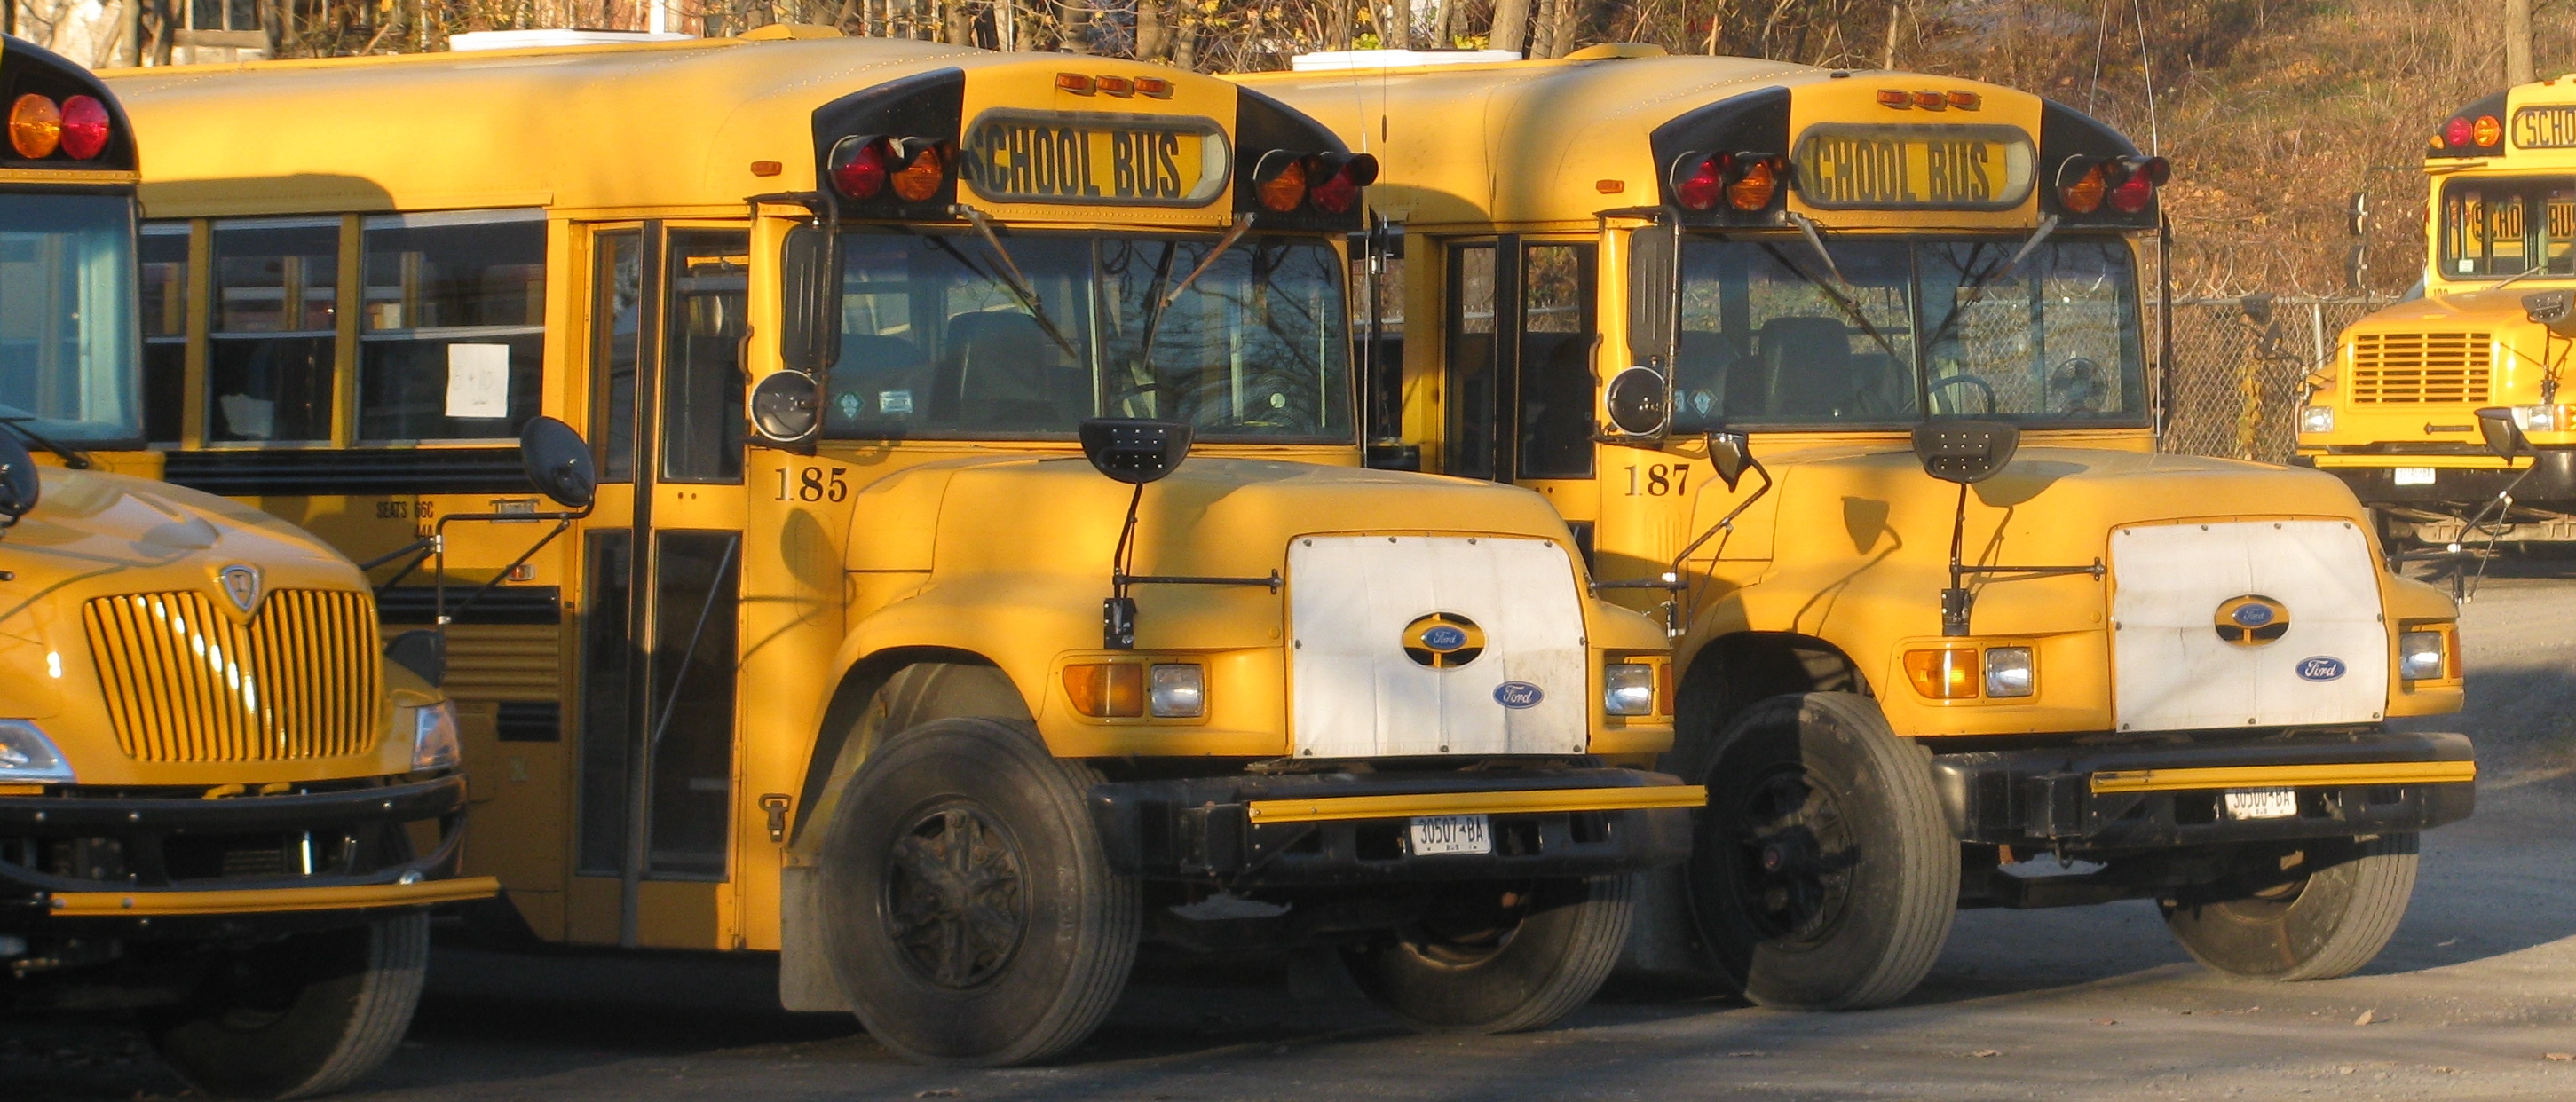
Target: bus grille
<point>2419,369</point>
<point>187,683</point>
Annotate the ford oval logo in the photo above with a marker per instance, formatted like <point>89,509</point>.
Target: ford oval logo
<point>1518,694</point>
<point>2320,668</point>
<point>1444,638</point>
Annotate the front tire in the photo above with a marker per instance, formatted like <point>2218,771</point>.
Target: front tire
<point>1499,958</point>
<point>2311,910</point>
<point>298,1017</point>
<point>1823,875</point>
<point>972,917</point>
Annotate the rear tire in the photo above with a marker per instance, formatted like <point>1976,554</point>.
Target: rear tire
<point>2265,921</point>
<point>1823,875</point>
<point>971,915</point>
<point>1499,958</point>
<point>298,1017</point>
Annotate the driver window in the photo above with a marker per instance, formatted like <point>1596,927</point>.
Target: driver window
<point>1769,338</point>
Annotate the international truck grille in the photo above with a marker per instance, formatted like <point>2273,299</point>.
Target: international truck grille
<point>2420,369</point>
<point>187,682</point>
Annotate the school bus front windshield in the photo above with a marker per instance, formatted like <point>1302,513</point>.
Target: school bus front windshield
<point>1772,338</point>
<point>944,336</point>
<point>67,332</point>
<point>2494,227</point>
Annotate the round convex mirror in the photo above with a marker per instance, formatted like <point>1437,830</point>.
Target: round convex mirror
<point>1636,401</point>
<point>786,407</point>
<point>558,462</point>
<point>18,483</point>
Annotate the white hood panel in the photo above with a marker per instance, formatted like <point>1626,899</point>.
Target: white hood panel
<point>2174,672</point>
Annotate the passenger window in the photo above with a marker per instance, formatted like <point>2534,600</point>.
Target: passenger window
<point>1557,331</point>
<point>709,272</point>
<point>269,358</point>
<point>164,255</point>
<point>453,332</point>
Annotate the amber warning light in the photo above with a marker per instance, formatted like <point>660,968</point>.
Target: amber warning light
<point>1746,182</point>
<point>38,127</point>
<point>864,167</point>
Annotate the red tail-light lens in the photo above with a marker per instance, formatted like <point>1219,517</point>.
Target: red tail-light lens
<point>35,126</point>
<point>1698,180</point>
<point>859,167</point>
<point>84,127</point>
<point>2457,132</point>
<point>1338,180</point>
<point>2144,176</point>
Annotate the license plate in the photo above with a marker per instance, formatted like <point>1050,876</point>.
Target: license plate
<point>2262,803</point>
<point>1451,834</point>
<point>2414,476</point>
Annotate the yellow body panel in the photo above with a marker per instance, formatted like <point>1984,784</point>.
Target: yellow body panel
<point>1474,803</point>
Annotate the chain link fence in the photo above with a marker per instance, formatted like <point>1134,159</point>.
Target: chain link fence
<point>2237,368</point>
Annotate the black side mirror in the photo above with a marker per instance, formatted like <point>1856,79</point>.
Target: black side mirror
<point>809,337</point>
<point>558,462</point>
<point>1965,451</point>
<point>2502,435</point>
<point>1638,401</point>
<point>423,652</point>
<point>786,407</point>
<point>19,487</point>
<point>2553,309</point>
<point>1133,450</point>
<point>2258,308</point>
<point>1730,453</point>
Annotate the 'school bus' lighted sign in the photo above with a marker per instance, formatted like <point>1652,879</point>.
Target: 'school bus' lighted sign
<point>2545,127</point>
<point>1108,159</point>
<point>1869,167</point>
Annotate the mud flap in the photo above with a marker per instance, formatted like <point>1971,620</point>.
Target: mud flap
<point>1664,946</point>
<point>805,979</point>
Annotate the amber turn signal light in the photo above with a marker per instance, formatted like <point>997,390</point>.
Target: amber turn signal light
<point>1943,674</point>
<point>1110,690</point>
<point>35,126</point>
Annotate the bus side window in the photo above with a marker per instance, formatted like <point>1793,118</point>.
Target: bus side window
<point>164,256</point>
<point>708,273</point>
<point>453,326</point>
<point>270,359</point>
<point>618,317</point>
<point>1557,334</point>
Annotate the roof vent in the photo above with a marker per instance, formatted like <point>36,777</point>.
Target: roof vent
<point>1336,60</point>
<point>472,41</point>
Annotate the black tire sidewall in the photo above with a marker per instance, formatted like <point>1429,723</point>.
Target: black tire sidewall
<point>2268,939</point>
<point>1000,768</point>
<point>325,975</point>
<point>1500,991</point>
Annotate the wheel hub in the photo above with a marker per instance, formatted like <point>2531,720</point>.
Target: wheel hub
<point>1794,868</point>
<point>954,901</point>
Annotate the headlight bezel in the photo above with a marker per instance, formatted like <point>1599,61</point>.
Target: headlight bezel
<point>436,743</point>
<point>1176,690</point>
<point>2316,419</point>
<point>2003,665</point>
<point>29,756</point>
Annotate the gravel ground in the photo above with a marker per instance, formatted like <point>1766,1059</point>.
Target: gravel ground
<point>2475,999</point>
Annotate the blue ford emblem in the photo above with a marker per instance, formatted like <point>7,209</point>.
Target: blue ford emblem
<point>1444,638</point>
<point>1518,694</point>
<point>2320,668</point>
<point>2252,615</point>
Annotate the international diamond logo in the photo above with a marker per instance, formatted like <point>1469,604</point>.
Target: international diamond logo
<point>241,584</point>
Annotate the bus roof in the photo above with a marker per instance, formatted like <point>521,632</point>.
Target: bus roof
<point>705,123</point>
<point>1538,142</point>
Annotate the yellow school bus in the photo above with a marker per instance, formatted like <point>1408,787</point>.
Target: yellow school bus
<point>219,808</point>
<point>981,579</point>
<point>1846,374</point>
<point>2395,414</point>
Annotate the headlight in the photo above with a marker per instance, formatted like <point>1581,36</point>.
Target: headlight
<point>434,744</point>
<point>1628,689</point>
<point>27,755</point>
<point>2316,419</point>
<point>2009,672</point>
<point>2423,655</point>
<point>2544,418</point>
<point>1178,691</point>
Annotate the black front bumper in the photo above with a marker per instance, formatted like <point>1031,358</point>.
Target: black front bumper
<point>1203,829</point>
<point>2456,488</point>
<point>2048,797</point>
<point>162,844</point>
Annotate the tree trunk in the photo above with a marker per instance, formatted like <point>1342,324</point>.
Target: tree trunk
<point>2517,41</point>
<point>1511,25</point>
<point>273,24</point>
<point>1552,17</point>
<point>1441,33</point>
<point>1075,32</point>
<point>1395,32</point>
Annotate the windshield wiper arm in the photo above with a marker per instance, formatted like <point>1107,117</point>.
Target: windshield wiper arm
<point>1014,281</point>
<point>1816,240</point>
<point>72,457</point>
<point>1974,291</point>
<point>1154,321</point>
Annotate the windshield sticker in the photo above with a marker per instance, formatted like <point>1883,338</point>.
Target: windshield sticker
<point>1082,157</point>
<point>1853,167</point>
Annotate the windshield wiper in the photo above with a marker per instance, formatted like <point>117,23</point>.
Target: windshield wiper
<point>72,457</point>
<point>1015,282</point>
